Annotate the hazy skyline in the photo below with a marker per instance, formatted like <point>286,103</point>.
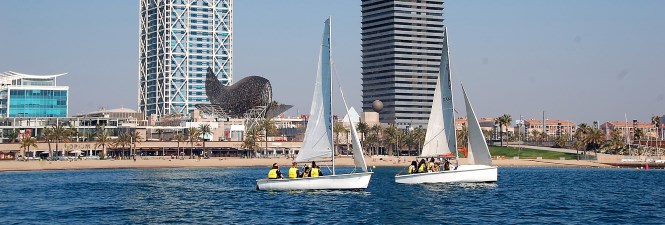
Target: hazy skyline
<point>577,60</point>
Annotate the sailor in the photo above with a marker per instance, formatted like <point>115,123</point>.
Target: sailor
<point>431,166</point>
<point>446,165</point>
<point>422,166</point>
<point>316,171</point>
<point>274,172</point>
<point>412,167</point>
<point>293,171</point>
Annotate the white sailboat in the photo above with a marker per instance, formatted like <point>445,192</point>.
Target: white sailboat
<point>318,141</point>
<point>440,139</point>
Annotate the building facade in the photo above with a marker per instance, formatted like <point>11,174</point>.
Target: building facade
<point>178,41</point>
<point>401,53</point>
<point>23,95</point>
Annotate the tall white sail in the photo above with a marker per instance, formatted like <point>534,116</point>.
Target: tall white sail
<point>478,153</point>
<point>440,137</point>
<point>317,144</point>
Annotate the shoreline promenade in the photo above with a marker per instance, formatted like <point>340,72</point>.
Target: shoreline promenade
<point>167,162</point>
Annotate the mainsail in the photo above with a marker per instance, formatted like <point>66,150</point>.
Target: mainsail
<point>440,137</point>
<point>478,153</point>
<point>317,144</point>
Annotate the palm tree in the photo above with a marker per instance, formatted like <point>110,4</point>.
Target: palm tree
<point>504,120</point>
<point>391,138</point>
<point>250,141</point>
<point>377,131</point>
<point>193,134</point>
<point>121,142</point>
<point>134,138</point>
<point>339,128</point>
<point>60,134</point>
<point>179,138</point>
<point>26,143</point>
<point>47,135</point>
<point>594,139</point>
<point>617,141</point>
<point>103,140</point>
<point>363,129</point>
<point>205,131</point>
<point>269,128</point>
<point>12,135</point>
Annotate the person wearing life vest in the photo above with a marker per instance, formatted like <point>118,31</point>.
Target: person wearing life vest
<point>412,167</point>
<point>316,171</point>
<point>293,171</point>
<point>274,173</point>
<point>422,166</point>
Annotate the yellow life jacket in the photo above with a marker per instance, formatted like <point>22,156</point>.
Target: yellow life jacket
<point>314,172</point>
<point>429,167</point>
<point>421,168</point>
<point>412,169</point>
<point>272,174</point>
<point>293,172</point>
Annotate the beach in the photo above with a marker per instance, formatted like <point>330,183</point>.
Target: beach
<point>167,162</point>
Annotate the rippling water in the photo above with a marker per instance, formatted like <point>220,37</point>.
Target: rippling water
<point>228,195</point>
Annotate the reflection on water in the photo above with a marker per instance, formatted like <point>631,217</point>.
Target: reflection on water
<point>228,195</point>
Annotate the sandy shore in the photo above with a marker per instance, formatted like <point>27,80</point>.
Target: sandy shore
<point>263,162</point>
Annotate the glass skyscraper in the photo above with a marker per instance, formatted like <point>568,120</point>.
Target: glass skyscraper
<point>179,39</point>
<point>23,95</point>
<point>401,53</point>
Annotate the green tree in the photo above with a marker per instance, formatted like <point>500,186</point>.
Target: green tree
<point>339,128</point>
<point>617,141</point>
<point>192,134</point>
<point>179,138</point>
<point>504,120</point>
<point>251,140</point>
<point>120,142</point>
<point>391,138</point>
<point>363,129</point>
<point>61,134</point>
<point>47,135</point>
<point>102,140</point>
<point>12,135</point>
<point>134,138</point>
<point>205,131</point>
<point>26,143</point>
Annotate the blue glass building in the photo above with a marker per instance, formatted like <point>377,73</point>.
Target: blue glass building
<point>178,40</point>
<point>23,95</point>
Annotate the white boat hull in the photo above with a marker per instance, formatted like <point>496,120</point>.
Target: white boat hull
<point>353,181</point>
<point>463,174</point>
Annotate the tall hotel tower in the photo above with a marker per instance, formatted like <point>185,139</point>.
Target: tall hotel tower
<point>401,52</point>
<point>179,39</point>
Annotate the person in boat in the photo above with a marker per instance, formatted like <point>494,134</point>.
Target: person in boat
<point>306,171</point>
<point>446,164</point>
<point>274,173</point>
<point>412,167</point>
<point>293,171</point>
<point>422,166</point>
<point>316,171</point>
<point>432,166</point>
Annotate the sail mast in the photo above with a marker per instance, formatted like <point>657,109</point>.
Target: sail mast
<point>332,121</point>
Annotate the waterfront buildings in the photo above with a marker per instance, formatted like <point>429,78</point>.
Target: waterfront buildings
<point>627,129</point>
<point>24,95</point>
<point>553,128</point>
<point>178,40</point>
<point>401,53</point>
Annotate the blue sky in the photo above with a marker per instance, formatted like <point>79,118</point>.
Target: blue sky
<point>577,60</point>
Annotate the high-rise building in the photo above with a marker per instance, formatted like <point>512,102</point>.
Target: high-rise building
<point>401,53</point>
<point>23,95</point>
<point>178,40</point>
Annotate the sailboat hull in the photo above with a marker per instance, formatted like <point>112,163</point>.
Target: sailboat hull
<point>353,181</point>
<point>463,174</point>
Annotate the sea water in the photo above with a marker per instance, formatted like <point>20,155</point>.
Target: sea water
<point>229,196</point>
